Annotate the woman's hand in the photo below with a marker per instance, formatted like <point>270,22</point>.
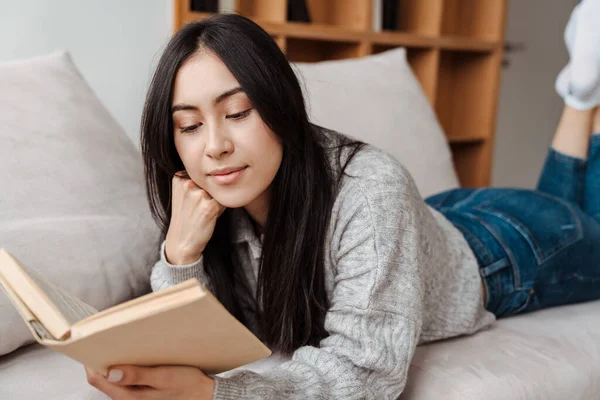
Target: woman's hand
<point>194,215</point>
<point>154,383</point>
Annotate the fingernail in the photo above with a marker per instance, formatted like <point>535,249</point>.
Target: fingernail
<point>115,375</point>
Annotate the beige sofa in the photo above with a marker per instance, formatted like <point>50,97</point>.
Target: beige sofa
<point>73,207</point>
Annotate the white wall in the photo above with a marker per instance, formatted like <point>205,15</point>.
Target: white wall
<point>115,44</point>
<point>529,108</point>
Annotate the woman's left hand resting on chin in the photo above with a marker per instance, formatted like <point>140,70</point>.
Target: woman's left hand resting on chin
<point>149,383</point>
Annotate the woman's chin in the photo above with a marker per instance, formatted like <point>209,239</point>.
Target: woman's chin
<point>231,200</point>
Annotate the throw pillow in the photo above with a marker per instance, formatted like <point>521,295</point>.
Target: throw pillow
<point>378,99</point>
<point>73,204</point>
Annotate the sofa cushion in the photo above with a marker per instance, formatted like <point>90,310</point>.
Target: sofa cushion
<point>73,204</point>
<point>377,99</point>
<point>552,354</point>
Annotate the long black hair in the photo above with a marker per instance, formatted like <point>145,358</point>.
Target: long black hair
<point>291,299</point>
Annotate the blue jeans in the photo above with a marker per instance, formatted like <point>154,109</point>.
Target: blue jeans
<point>535,248</point>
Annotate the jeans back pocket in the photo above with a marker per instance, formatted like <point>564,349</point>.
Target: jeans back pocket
<point>547,223</point>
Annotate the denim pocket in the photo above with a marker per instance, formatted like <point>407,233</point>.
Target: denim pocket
<point>503,298</point>
<point>547,223</point>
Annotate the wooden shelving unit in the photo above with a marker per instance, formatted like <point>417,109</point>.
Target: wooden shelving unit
<point>454,48</point>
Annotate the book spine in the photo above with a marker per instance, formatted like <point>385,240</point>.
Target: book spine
<point>377,15</point>
<point>209,6</point>
<point>227,6</point>
<point>390,15</point>
<point>298,11</point>
<point>41,331</point>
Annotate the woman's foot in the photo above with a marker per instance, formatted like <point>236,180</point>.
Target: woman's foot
<point>579,82</point>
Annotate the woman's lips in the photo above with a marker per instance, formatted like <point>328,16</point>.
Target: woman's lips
<point>229,178</point>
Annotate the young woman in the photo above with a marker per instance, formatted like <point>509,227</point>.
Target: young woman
<point>323,246</point>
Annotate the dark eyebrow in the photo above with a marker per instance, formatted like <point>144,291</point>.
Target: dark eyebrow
<point>182,107</point>
<point>227,94</point>
<point>216,101</point>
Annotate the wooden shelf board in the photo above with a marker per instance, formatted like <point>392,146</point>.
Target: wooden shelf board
<point>467,44</point>
<point>443,43</point>
<point>190,16</point>
<point>301,30</point>
<point>466,139</point>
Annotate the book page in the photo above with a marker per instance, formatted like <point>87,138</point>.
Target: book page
<point>146,301</point>
<point>70,306</point>
<point>28,317</point>
<point>140,308</point>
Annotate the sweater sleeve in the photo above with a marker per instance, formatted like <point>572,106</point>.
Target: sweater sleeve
<point>375,314</point>
<point>165,275</point>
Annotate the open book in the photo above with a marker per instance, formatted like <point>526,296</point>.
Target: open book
<point>181,325</point>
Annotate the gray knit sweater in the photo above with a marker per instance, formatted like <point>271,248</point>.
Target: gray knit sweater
<point>397,273</point>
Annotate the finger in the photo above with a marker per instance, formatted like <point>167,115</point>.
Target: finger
<point>220,208</point>
<point>155,377</point>
<point>190,185</point>
<point>89,372</point>
<point>204,194</point>
<point>210,208</point>
<point>99,381</point>
<point>182,174</point>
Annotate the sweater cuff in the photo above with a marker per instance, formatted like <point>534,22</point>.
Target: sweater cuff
<point>175,274</point>
<point>228,389</point>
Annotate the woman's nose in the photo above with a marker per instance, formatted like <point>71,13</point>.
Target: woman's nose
<point>219,144</point>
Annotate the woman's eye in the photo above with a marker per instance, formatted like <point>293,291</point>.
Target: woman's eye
<point>190,128</point>
<point>239,115</point>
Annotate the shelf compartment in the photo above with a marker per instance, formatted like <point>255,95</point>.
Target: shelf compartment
<point>424,64</point>
<point>480,19</point>
<point>418,16</point>
<point>265,10</point>
<point>306,50</point>
<point>349,14</point>
<point>473,162</point>
<point>465,94</point>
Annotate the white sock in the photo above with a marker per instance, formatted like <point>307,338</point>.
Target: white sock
<point>570,29</point>
<point>563,79</point>
<point>579,82</point>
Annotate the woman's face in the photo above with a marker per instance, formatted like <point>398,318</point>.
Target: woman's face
<point>224,144</point>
